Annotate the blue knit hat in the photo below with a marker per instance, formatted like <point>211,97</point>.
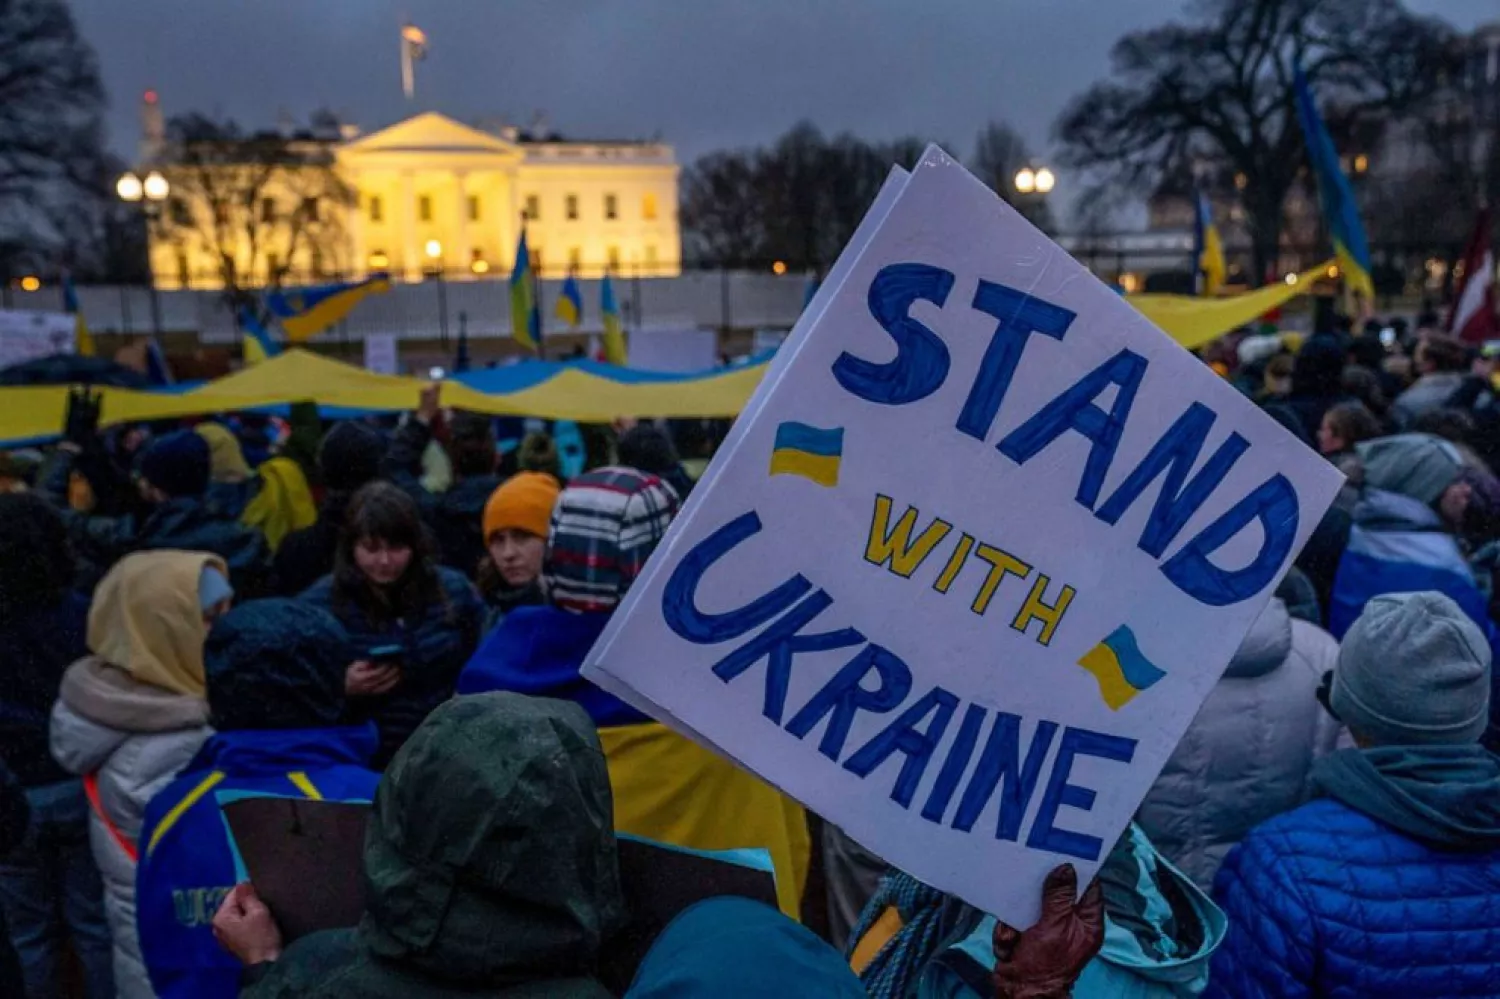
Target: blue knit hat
<point>177,464</point>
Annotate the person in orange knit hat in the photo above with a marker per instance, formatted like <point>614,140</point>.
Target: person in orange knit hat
<point>515,538</point>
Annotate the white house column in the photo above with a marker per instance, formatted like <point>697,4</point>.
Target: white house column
<point>461,253</point>
<point>411,254</point>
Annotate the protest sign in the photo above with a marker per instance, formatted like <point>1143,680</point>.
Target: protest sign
<point>381,355</point>
<point>981,547</point>
<point>26,335</point>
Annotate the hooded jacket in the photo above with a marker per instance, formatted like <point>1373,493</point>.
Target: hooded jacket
<point>275,674</point>
<point>133,714</point>
<point>666,788</point>
<point>1248,755</point>
<point>1160,931</point>
<point>490,865</point>
<point>1389,886</point>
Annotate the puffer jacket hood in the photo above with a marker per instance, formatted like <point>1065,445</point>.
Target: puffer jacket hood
<point>490,857</point>
<point>1266,645</point>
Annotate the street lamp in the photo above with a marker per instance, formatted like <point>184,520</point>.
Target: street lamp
<point>1025,180</point>
<point>149,194</point>
<point>1044,181</point>
<point>1038,180</point>
<point>434,249</point>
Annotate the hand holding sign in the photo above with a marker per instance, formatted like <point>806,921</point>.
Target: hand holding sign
<point>973,556</point>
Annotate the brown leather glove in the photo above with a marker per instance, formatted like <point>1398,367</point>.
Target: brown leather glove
<point>1044,961</point>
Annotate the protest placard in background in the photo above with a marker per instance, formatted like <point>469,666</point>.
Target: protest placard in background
<point>26,335</point>
<point>979,553</point>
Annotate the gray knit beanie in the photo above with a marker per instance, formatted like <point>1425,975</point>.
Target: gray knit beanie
<point>1413,670</point>
<point>1417,465</point>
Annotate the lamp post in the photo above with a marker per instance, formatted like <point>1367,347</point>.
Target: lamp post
<point>435,254</point>
<point>149,194</point>
<point>1032,185</point>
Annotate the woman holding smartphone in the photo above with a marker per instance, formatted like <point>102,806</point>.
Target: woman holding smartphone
<point>415,622</point>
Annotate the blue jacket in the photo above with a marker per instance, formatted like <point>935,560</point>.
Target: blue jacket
<point>187,862</point>
<point>1326,901</point>
<point>538,651</point>
<point>436,647</point>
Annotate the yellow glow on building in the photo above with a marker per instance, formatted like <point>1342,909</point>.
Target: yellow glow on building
<point>432,182</point>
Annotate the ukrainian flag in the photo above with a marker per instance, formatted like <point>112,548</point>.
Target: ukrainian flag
<point>257,344</point>
<point>810,452</point>
<point>570,302</point>
<point>1120,668</point>
<point>1340,211</point>
<point>1208,248</point>
<point>306,312</point>
<point>525,316</point>
<point>83,342</point>
<point>614,331</point>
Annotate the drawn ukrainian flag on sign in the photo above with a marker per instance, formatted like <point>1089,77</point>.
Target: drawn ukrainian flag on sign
<point>810,452</point>
<point>1120,667</point>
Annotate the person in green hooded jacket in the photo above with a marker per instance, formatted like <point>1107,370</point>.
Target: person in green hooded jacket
<point>490,869</point>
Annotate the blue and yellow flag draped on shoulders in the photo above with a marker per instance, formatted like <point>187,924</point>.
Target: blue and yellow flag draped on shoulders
<point>306,312</point>
<point>525,315</point>
<point>1340,210</point>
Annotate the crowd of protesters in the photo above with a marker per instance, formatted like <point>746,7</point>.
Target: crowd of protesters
<point>395,612</point>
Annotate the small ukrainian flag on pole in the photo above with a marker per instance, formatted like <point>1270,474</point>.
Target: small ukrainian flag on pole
<point>570,302</point>
<point>1120,667</point>
<point>810,452</point>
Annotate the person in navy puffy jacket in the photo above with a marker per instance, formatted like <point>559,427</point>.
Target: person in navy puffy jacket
<point>1387,884</point>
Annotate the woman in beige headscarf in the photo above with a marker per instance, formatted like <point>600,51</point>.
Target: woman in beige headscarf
<point>133,713</point>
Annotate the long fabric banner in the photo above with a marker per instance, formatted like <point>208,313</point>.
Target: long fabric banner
<point>586,391</point>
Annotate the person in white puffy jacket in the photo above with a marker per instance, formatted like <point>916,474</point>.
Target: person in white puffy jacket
<point>131,715</point>
<point>1247,755</point>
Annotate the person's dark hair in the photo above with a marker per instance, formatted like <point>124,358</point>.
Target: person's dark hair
<point>1445,353</point>
<point>1364,385</point>
<point>646,449</point>
<point>471,445</point>
<point>1450,424</point>
<point>36,564</point>
<point>384,512</point>
<point>1353,422</point>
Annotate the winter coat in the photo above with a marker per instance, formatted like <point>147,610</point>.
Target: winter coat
<point>1160,932</point>
<point>1428,393</point>
<point>181,523</point>
<point>436,645</point>
<point>499,603</point>
<point>666,788</point>
<point>456,515</point>
<point>187,863</point>
<point>1248,755</point>
<point>490,866</point>
<point>36,646</point>
<point>135,738</point>
<point>1329,901</point>
<point>14,820</point>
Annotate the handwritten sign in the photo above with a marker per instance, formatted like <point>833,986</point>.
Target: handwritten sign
<point>974,555</point>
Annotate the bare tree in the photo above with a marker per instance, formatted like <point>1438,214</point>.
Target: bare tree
<point>1219,88</point>
<point>51,136</point>
<point>256,203</point>
<point>720,210</point>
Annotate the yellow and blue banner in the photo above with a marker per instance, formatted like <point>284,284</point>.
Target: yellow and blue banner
<point>1340,210</point>
<point>306,312</point>
<point>811,452</point>
<point>525,315</point>
<point>1120,667</point>
<point>570,302</point>
<point>83,341</point>
<point>614,329</point>
<point>1208,248</point>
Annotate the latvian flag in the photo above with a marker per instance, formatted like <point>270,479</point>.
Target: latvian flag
<point>1473,315</point>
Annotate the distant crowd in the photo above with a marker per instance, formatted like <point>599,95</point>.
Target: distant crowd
<point>395,612</point>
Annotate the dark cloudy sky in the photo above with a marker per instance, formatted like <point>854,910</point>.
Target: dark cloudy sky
<point>702,73</point>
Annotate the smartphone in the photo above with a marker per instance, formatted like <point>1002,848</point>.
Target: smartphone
<point>387,655</point>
